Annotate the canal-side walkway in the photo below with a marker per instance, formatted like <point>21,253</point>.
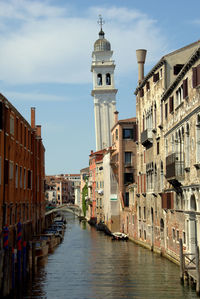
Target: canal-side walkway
<point>89,265</point>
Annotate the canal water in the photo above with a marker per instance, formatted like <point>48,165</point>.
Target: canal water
<point>89,265</point>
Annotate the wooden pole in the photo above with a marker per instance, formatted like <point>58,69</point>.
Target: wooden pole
<point>182,270</point>
<point>197,270</point>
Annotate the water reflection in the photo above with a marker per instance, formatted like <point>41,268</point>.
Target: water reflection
<point>89,265</point>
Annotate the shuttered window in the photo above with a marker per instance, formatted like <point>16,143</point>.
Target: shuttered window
<point>0,170</point>
<point>185,88</point>
<point>166,110</point>
<point>167,200</point>
<point>141,92</point>
<point>171,104</point>
<point>155,77</point>
<point>196,76</point>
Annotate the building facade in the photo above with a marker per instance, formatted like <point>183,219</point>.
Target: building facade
<point>22,172</point>
<point>167,108</point>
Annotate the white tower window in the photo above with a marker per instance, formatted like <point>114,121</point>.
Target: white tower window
<point>99,79</point>
<point>108,79</point>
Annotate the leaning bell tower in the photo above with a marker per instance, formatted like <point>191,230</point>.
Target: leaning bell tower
<point>104,92</point>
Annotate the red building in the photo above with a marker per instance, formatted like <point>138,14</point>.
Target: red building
<point>22,172</point>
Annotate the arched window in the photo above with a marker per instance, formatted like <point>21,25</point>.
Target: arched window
<point>99,79</point>
<point>108,79</point>
<point>187,151</point>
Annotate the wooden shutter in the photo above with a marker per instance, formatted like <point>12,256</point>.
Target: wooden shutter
<point>171,104</point>
<point>170,200</point>
<point>194,77</point>
<point>141,92</point>
<point>155,77</point>
<point>138,185</point>
<point>164,200</point>
<point>141,184</point>
<point>185,88</point>
<point>198,74</point>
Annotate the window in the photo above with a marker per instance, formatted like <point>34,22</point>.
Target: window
<point>147,86</point>
<point>99,79</point>
<point>173,233</point>
<point>127,133</point>
<point>126,203</point>
<point>20,177</point>
<point>139,212</point>
<point>171,104</point>
<point>166,110</point>
<point>116,134</point>
<point>24,178</point>
<point>141,92</point>
<point>177,68</point>
<point>16,176</point>
<point>128,178</point>
<point>155,77</point>
<point>158,148</point>
<point>144,213</point>
<point>185,88</point>
<point>29,183</point>
<point>12,125</point>
<point>127,158</point>
<point>11,170</point>
<point>1,115</point>
<point>196,76</point>
<point>108,79</point>
<point>6,171</point>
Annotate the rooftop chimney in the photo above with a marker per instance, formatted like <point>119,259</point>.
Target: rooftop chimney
<point>116,116</point>
<point>141,56</point>
<point>33,117</point>
<point>38,131</point>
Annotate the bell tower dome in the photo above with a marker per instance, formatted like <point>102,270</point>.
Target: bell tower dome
<point>104,92</point>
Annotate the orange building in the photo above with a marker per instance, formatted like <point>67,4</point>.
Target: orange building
<point>22,172</point>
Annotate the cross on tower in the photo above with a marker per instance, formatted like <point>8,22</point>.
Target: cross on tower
<point>100,21</point>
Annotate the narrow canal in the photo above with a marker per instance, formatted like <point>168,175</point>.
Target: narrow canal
<point>89,265</point>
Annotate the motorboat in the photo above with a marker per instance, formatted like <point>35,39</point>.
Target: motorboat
<point>119,236</point>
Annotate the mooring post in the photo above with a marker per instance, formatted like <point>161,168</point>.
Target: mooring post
<point>182,268</point>
<point>197,270</point>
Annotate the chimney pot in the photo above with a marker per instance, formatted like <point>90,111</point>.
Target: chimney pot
<point>38,131</point>
<point>141,56</point>
<point>33,117</point>
<point>116,116</point>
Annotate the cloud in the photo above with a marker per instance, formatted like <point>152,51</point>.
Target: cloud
<point>43,43</point>
<point>35,97</point>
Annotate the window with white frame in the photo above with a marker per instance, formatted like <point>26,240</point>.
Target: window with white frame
<point>127,158</point>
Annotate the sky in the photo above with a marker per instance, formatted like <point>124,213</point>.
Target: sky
<point>45,61</point>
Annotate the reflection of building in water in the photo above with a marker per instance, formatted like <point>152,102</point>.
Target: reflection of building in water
<point>104,91</point>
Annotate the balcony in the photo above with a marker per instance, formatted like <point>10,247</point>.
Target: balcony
<point>174,166</point>
<point>146,137</point>
<point>175,169</point>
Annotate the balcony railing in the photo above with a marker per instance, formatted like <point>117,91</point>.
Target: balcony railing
<point>147,137</point>
<point>175,166</point>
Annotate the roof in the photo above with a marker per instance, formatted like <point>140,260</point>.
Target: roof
<point>160,63</point>
<point>125,121</point>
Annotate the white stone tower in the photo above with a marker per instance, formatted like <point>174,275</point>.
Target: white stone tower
<point>104,91</point>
